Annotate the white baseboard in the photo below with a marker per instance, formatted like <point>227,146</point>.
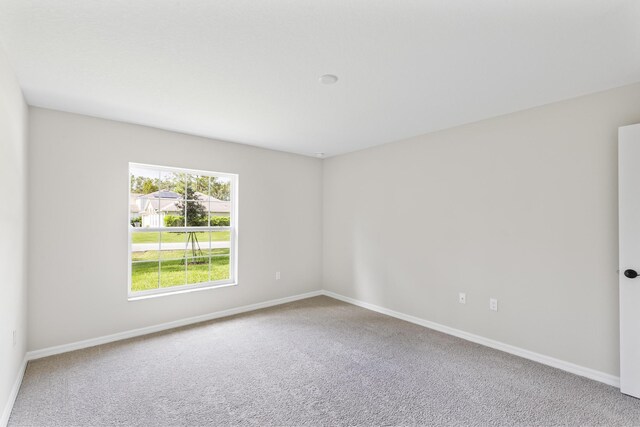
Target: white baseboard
<point>507,348</point>
<point>536,357</point>
<point>50,351</point>
<point>6,413</point>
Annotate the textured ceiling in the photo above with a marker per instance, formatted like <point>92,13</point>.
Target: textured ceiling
<point>247,71</point>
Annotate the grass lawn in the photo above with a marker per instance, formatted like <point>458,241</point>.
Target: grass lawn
<point>169,237</point>
<point>144,275</point>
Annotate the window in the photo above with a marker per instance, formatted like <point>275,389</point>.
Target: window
<point>182,229</point>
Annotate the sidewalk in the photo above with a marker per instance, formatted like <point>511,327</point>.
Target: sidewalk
<point>141,247</point>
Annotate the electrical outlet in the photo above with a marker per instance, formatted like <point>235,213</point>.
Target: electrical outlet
<point>493,304</point>
<point>14,338</point>
<point>462,298</point>
<point>277,275</point>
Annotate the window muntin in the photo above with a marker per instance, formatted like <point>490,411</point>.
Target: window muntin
<point>182,229</point>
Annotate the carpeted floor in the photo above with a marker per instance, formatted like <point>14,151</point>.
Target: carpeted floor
<point>313,362</point>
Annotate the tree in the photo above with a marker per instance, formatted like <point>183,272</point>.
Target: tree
<point>148,186</point>
<point>136,183</point>
<point>212,186</point>
<point>196,215</point>
<point>220,189</point>
<point>195,211</point>
<point>201,184</point>
<point>144,185</point>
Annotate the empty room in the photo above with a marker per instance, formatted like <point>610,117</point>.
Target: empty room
<point>320,213</point>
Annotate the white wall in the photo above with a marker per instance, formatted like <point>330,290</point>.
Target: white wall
<point>13,286</point>
<point>521,207</point>
<point>78,280</point>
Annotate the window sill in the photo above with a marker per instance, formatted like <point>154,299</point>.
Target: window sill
<point>164,293</point>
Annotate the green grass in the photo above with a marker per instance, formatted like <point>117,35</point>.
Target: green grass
<point>170,237</point>
<point>144,275</point>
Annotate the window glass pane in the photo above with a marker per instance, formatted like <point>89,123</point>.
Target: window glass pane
<point>197,244</point>
<point>135,218</point>
<point>172,259</point>
<point>197,270</point>
<point>220,205</point>
<point>220,188</point>
<point>145,246</point>
<point>140,237</point>
<point>172,273</point>
<point>196,207</point>
<point>135,212</point>
<point>196,211</point>
<point>144,275</point>
<point>173,245</point>
<point>144,261</point>
<point>143,180</point>
<point>143,183</point>
<point>143,211</point>
<point>171,212</point>
<point>198,184</point>
<point>219,252</point>
<point>172,184</point>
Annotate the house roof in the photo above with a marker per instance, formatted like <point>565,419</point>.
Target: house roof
<point>162,194</point>
<point>170,205</point>
<point>215,205</point>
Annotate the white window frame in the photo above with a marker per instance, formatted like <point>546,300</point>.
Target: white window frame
<point>233,235</point>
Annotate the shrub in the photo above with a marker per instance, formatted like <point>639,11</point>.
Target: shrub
<point>178,221</point>
<point>220,221</point>
<point>173,221</point>
<point>136,220</point>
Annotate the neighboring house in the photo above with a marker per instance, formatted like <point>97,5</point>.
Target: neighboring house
<point>134,209</point>
<point>153,207</point>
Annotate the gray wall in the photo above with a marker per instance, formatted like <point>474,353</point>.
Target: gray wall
<point>522,208</point>
<point>13,286</point>
<point>78,285</point>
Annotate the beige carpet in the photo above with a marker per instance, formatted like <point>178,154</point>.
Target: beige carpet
<point>313,362</point>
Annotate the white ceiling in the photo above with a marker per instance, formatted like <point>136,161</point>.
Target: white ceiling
<point>247,71</point>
